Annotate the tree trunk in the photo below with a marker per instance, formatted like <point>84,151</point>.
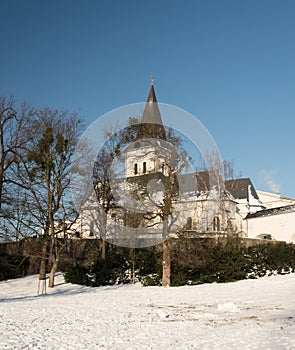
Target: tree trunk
<point>54,267</point>
<point>167,211</point>
<point>42,271</point>
<point>103,249</point>
<point>1,186</point>
<point>133,265</point>
<point>103,242</point>
<point>52,273</point>
<point>2,160</point>
<point>166,264</point>
<point>52,256</point>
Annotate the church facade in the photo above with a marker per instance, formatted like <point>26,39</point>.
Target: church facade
<point>164,200</point>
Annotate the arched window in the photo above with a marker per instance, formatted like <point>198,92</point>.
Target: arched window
<point>91,231</point>
<point>216,224</point>
<point>144,167</point>
<point>189,223</point>
<point>135,169</point>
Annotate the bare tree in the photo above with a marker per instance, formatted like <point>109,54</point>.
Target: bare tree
<point>13,122</point>
<point>104,174</point>
<point>216,201</point>
<point>7,121</point>
<point>135,209</point>
<point>43,173</point>
<point>167,211</point>
<point>157,194</point>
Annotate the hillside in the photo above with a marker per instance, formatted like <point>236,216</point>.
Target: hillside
<point>249,314</point>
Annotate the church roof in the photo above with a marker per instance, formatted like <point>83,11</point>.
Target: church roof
<point>272,211</point>
<point>151,125</point>
<point>239,188</point>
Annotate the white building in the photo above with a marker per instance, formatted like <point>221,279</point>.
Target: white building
<point>260,214</point>
<point>276,223</point>
<point>240,209</point>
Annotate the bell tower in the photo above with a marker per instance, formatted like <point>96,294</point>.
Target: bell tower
<point>148,153</point>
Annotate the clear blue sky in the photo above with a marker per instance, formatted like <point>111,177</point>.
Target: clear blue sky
<point>230,63</point>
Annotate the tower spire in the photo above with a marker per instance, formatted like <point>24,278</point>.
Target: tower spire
<point>151,125</point>
<point>152,95</point>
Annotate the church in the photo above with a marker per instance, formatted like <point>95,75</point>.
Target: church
<point>158,198</point>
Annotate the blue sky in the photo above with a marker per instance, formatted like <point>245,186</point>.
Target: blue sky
<point>230,63</point>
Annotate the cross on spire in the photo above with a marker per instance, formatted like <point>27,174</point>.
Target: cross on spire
<point>152,80</point>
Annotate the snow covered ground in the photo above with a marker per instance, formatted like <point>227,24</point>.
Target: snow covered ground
<point>250,314</point>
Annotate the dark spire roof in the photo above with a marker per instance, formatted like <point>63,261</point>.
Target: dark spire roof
<point>152,95</point>
<point>151,125</point>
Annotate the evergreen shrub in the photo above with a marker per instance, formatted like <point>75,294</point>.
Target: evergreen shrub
<point>193,261</point>
<point>77,274</point>
<point>151,280</point>
<point>13,266</point>
<point>230,262</point>
<point>110,271</point>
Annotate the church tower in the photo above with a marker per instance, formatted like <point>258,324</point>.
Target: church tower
<point>149,153</point>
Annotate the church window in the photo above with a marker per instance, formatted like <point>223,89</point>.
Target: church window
<point>189,223</point>
<point>144,167</point>
<point>216,224</point>
<point>91,231</point>
<point>135,169</point>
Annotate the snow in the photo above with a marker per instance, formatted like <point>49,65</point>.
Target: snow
<point>249,314</point>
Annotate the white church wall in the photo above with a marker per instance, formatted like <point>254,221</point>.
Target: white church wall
<point>281,227</point>
<point>139,156</point>
<point>147,156</point>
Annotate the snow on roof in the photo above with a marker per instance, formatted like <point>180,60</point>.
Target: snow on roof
<point>273,211</point>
